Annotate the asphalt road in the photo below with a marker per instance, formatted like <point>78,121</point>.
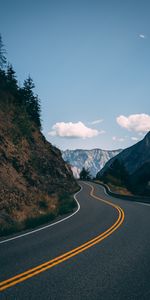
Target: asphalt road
<point>102,252</point>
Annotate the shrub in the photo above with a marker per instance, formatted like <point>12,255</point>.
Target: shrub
<point>36,221</point>
<point>66,203</point>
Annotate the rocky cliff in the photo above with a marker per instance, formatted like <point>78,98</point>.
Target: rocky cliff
<point>35,182</point>
<point>93,160</point>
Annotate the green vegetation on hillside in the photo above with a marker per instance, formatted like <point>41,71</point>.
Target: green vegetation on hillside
<point>23,97</point>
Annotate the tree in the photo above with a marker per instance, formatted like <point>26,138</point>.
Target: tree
<point>85,174</point>
<point>28,87</point>
<point>2,53</point>
<point>11,79</point>
<point>31,101</point>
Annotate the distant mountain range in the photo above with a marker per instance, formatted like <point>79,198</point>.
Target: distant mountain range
<point>130,168</point>
<point>93,160</point>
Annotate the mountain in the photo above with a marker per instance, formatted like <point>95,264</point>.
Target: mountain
<point>35,182</point>
<point>130,168</point>
<point>94,159</point>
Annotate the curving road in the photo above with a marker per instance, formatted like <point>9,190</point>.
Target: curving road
<point>101,252</point>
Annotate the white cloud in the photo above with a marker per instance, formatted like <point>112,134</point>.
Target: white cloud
<point>136,122</point>
<point>141,134</point>
<point>73,130</point>
<point>96,122</point>
<point>142,36</point>
<point>134,138</point>
<point>114,138</point>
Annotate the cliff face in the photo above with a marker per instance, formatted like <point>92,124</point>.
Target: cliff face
<point>34,179</point>
<point>130,168</point>
<point>93,160</point>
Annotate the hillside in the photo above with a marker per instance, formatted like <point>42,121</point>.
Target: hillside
<point>35,183</point>
<point>93,160</point>
<point>130,168</point>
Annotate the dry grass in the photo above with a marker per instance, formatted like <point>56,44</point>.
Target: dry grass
<point>117,189</point>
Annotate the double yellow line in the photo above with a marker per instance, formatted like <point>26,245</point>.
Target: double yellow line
<point>59,259</point>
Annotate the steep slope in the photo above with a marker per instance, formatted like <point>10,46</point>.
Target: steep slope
<point>35,182</point>
<point>93,160</point>
<point>130,168</point>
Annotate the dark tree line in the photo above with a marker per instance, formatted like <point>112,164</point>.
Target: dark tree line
<point>23,96</point>
<point>85,174</point>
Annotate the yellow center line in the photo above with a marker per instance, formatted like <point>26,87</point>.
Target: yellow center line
<point>59,259</point>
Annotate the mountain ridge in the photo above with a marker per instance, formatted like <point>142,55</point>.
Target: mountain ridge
<point>93,159</point>
<point>130,168</point>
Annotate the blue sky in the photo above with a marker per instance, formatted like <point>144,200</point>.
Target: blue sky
<point>89,61</point>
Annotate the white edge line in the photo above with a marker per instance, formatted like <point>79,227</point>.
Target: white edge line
<point>47,226</point>
<point>142,203</point>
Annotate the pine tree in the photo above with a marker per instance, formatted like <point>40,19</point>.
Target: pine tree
<point>85,174</point>
<point>31,101</point>
<point>28,88</point>
<point>2,54</point>
<point>11,79</point>
<point>3,80</point>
